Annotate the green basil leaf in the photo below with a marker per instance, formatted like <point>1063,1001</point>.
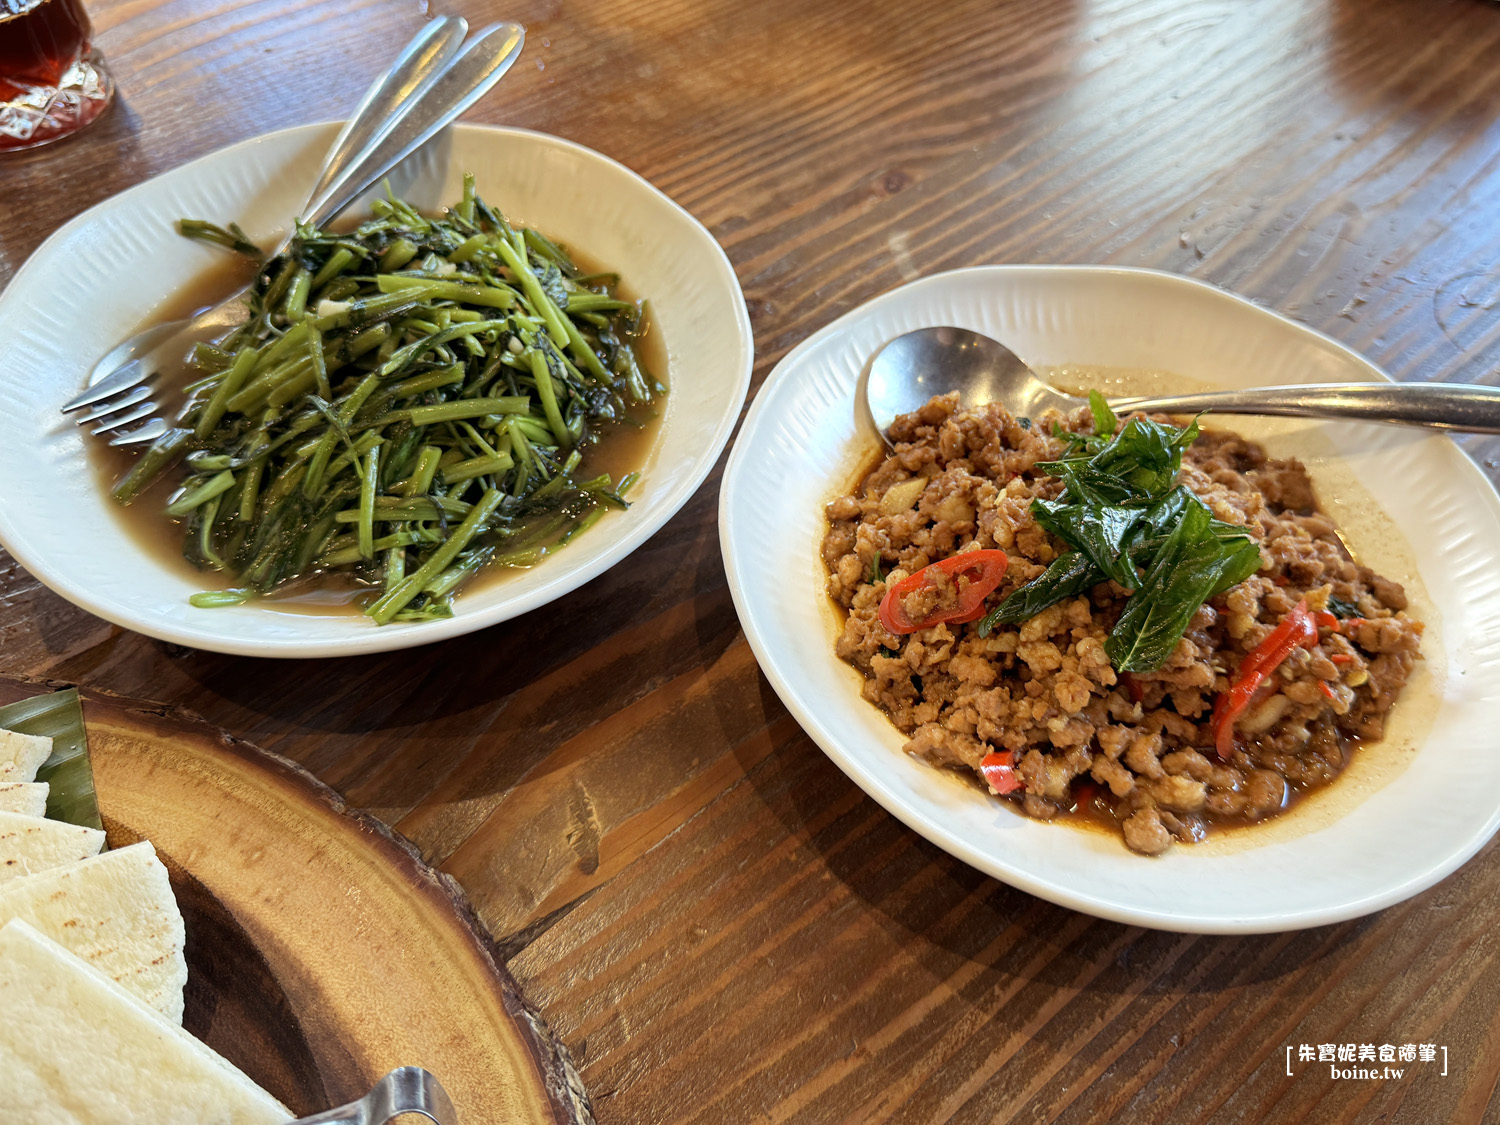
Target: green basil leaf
<point>1240,562</point>
<point>1140,463</point>
<point>1122,508</point>
<point>1342,609</point>
<point>1161,516</point>
<point>1069,575</point>
<point>1085,485</point>
<point>1145,454</point>
<point>1192,564</point>
<point>1104,417</point>
<point>1101,532</point>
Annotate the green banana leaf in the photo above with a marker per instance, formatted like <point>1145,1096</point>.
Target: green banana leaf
<point>60,717</point>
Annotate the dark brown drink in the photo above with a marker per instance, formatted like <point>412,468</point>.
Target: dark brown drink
<point>51,80</point>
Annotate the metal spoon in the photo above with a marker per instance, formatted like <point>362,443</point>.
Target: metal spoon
<point>933,361</point>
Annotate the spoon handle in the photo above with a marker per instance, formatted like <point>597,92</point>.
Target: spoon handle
<point>1448,406</point>
<point>458,86</point>
<point>388,99</point>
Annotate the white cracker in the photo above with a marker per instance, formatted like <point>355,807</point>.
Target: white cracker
<point>77,1049</point>
<point>28,797</point>
<point>117,912</point>
<point>21,755</point>
<point>30,845</point>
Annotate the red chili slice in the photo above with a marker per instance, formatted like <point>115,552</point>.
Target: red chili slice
<point>976,575</point>
<point>1085,792</point>
<point>1000,772</point>
<point>1298,629</point>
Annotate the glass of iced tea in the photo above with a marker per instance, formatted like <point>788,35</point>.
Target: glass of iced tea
<point>52,81</point>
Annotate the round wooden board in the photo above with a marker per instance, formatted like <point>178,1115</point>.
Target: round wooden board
<point>322,952</point>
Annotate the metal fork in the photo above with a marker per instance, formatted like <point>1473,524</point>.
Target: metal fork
<point>423,91</point>
<point>408,1089</point>
<point>120,393</point>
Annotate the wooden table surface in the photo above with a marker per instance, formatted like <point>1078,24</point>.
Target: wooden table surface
<point>720,926</point>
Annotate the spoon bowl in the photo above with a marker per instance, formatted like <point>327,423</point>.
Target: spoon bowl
<point>915,366</point>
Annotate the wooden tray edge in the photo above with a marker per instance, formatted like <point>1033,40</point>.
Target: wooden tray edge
<point>560,1078</point>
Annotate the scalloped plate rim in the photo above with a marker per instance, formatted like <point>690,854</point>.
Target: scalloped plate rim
<point>364,637</point>
<point>761,418</point>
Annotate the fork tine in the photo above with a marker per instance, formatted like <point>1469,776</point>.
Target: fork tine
<point>149,432</point>
<point>123,379</point>
<point>134,414</point>
<point>105,409</point>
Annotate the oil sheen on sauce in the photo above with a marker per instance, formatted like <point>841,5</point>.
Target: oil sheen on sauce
<point>621,449</point>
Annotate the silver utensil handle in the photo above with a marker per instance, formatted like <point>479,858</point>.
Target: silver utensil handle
<point>459,86</point>
<point>1449,406</point>
<point>390,96</point>
<point>407,1089</point>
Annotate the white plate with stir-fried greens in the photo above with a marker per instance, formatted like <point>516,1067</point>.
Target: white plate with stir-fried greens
<point>1406,811</point>
<point>520,359</point>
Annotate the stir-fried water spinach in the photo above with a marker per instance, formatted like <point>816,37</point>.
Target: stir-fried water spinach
<point>407,402</point>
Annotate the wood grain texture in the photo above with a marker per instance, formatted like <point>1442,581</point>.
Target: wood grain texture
<point>322,952</point>
<point>719,925</point>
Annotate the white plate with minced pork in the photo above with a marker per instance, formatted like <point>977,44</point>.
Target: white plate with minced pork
<point>1407,810</point>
